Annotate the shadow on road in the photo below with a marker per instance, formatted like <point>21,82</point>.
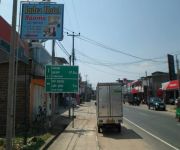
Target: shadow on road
<point>125,133</point>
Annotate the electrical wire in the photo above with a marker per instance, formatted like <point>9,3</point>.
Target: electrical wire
<point>111,65</point>
<point>118,75</point>
<point>95,62</point>
<point>107,47</point>
<point>86,39</point>
<point>63,48</point>
<point>76,18</point>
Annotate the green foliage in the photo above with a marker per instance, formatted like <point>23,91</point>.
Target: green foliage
<point>45,136</point>
<point>1,142</point>
<point>33,142</point>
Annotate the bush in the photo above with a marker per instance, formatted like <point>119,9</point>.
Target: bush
<point>35,145</point>
<point>1,142</point>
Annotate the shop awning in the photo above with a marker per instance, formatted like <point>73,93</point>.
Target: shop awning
<point>135,83</point>
<point>39,82</point>
<point>171,85</point>
<point>134,91</point>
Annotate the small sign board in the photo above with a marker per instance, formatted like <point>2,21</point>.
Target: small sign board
<point>42,21</point>
<point>62,79</point>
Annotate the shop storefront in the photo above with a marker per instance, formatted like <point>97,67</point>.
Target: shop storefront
<point>170,91</point>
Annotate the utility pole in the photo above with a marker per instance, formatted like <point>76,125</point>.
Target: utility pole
<point>70,60</point>
<point>11,79</point>
<point>73,58</point>
<point>86,88</point>
<point>53,63</point>
<point>178,74</point>
<point>73,51</point>
<point>147,92</point>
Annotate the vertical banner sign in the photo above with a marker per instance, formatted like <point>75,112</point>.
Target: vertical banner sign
<point>172,75</point>
<point>42,21</point>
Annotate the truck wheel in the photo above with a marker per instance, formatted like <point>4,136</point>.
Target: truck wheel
<point>99,129</point>
<point>119,128</point>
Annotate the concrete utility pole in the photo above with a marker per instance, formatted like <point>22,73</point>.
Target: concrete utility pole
<point>178,74</point>
<point>147,92</point>
<point>70,60</point>
<point>86,88</point>
<point>53,63</point>
<point>11,78</point>
<point>73,56</point>
<point>73,51</point>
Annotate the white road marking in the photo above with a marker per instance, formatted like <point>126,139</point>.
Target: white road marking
<point>152,134</point>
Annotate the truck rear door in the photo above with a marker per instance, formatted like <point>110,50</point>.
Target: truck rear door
<point>116,100</point>
<point>103,103</point>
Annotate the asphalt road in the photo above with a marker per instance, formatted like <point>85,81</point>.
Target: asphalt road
<point>159,129</point>
<point>142,129</point>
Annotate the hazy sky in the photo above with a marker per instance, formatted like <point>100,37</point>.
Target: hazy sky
<point>131,30</point>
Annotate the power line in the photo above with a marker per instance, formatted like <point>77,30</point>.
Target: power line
<point>154,60</point>
<point>68,29</point>
<point>68,13</point>
<point>113,63</point>
<point>112,68</point>
<point>63,48</point>
<point>86,39</point>
<point>100,63</point>
<point>76,18</point>
<point>108,48</point>
<point>89,65</point>
<point>97,63</point>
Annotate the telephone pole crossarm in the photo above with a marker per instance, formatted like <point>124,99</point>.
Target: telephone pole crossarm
<point>73,51</point>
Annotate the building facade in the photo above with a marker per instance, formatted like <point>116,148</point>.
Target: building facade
<point>30,89</point>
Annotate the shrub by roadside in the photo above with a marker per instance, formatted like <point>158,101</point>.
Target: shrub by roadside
<point>33,143</point>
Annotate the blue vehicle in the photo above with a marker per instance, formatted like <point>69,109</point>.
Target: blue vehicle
<point>156,103</point>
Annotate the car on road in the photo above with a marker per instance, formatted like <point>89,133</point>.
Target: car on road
<point>156,103</point>
<point>172,101</point>
<point>134,101</point>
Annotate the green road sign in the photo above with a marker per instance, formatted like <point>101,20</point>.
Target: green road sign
<point>62,72</point>
<point>62,79</point>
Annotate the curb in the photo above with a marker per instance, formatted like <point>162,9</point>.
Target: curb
<point>171,111</point>
<point>50,140</point>
<point>47,143</point>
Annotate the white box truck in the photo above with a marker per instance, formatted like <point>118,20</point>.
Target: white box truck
<point>109,105</point>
